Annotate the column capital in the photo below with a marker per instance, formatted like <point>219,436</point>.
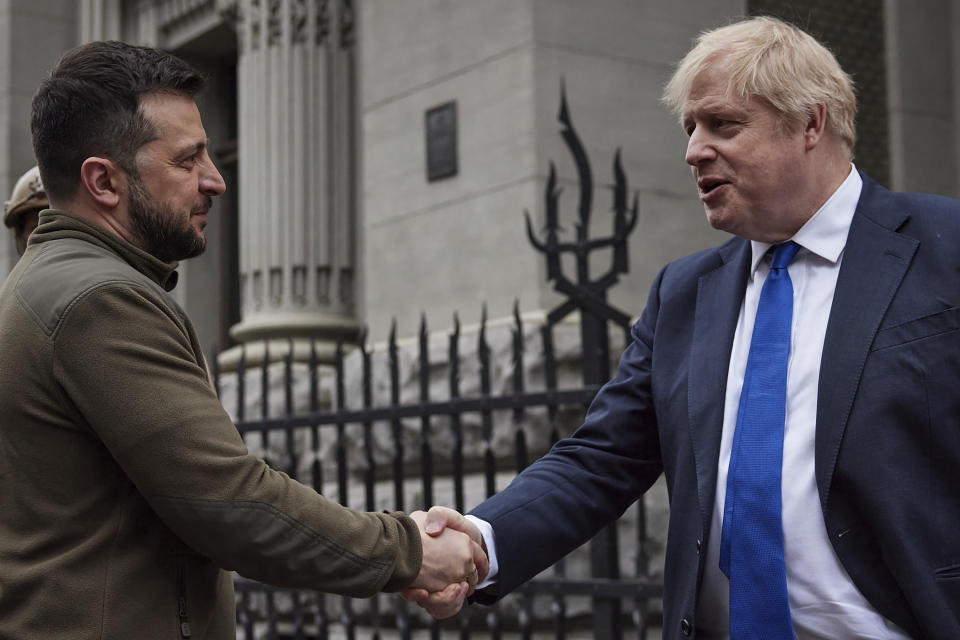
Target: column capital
<point>262,24</point>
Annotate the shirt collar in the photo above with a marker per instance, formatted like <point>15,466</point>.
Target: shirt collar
<point>825,233</point>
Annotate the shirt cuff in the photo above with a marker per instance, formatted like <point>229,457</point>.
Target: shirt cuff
<point>486,530</point>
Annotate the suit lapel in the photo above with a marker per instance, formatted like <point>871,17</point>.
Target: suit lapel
<point>719,297</point>
<point>875,260</point>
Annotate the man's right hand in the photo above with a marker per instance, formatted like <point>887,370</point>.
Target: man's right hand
<point>436,529</point>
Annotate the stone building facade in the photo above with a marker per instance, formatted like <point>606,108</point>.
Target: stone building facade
<point>318,115</point>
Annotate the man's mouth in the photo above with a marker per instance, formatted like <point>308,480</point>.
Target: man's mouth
<point>203,208</point>
<point>709,186</point>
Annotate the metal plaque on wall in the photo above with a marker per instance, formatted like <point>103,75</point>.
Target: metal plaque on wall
<point>441,129</point>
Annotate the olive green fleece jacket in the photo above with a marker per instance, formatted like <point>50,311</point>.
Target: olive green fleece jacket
<point>126,493</point>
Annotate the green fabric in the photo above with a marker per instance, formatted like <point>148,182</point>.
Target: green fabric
<point>121,476</point>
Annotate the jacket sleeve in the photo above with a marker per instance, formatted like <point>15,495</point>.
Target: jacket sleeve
<point>124,359</point>
<point>585,481</point>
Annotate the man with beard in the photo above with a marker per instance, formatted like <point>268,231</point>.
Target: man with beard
<point>126,493</point>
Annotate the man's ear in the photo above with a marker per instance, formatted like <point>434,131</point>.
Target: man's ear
<point>815,126</point>
<point>100,178</point>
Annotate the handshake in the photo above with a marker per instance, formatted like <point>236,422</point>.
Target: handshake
<point>454,562</point>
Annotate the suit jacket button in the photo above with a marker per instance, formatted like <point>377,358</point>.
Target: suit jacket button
<point>686,627</point>
<point>699,545</point>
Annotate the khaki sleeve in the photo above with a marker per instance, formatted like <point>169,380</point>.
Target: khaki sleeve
<point>124,359</point>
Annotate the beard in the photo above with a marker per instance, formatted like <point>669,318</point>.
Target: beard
<point>164,233</point>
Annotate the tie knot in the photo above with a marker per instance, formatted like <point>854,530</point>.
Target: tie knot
<point>783,254</point>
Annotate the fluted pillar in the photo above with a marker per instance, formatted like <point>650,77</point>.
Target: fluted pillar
<point>98,20</point>
<point>297,124</point>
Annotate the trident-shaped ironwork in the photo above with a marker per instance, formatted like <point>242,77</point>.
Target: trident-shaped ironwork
<point>586,294</point>
<point>590,297</point>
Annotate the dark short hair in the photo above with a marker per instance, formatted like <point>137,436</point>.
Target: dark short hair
<point>90,106</point>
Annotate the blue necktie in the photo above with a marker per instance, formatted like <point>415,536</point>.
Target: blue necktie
<point>751,545</point>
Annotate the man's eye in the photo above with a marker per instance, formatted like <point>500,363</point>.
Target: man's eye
<point>722,123</point>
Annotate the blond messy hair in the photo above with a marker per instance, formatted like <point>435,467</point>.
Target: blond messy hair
<point>778,62</point>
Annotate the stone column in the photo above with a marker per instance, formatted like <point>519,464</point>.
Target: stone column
<point>99,20</point>
<point>297,124</point>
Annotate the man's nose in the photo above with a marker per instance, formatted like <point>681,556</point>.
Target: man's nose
<point>699,148</point>
<point>211,182</point>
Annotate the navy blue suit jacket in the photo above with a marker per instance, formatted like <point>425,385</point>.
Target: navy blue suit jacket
<point>888,422</point>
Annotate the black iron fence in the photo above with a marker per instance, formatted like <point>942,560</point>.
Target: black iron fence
<point>360,441</point>
<point>322,442</point>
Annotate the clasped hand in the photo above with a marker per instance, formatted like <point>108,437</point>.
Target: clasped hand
<point>454,562</point>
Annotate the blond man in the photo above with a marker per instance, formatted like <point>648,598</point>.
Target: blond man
<point>803,408</point>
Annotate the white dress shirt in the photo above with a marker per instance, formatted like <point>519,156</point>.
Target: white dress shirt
<point>824,602</point>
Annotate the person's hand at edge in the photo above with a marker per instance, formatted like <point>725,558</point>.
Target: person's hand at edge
<point>440,604</point>
<point>447,602</point>
<point>449,556</point>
